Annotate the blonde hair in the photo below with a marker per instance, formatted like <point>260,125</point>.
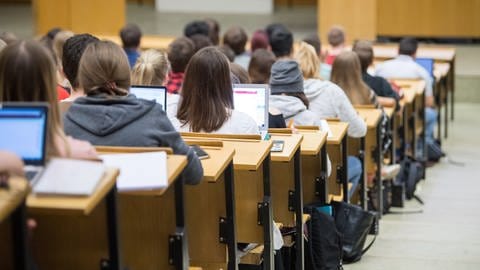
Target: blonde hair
<point>60,39</point>
<point>347,73</point>
<point>151,68</point>
<point>308,61</point>
<point>104,69</point>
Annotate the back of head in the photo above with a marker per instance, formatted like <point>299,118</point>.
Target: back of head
<point>104,69</point>
<point>260,66</point>
<point>364,50</point>
<point>229,53</point>
<point>8,37</point>
<point>259,40</point>
<point>308,60</point>
<point>58,43</point>
<point>196,27</point>
<point>151,68</point>
<point>346,73</point>
<point>235,38</point>
<point>47,41</point>
<point>281,42</point>
<point>408,46</point>
<point>179,53</point>
<point>271,27</point>
<point>205,100</point>
<point>72,52</point>
<point>336,36</point>
<point>200,42</point>
<point>314,40</point>
<point>131,36</point>
<point>240,73</point>
<point>214,32</point>
<point>286,78</point>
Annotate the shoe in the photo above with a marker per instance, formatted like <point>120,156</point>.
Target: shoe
<point>390,171</point>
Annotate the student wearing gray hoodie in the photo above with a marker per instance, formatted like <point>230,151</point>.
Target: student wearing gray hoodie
<point>109,115</point>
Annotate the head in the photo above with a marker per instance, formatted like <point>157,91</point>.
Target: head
<point>27,74</point>
<point>308,60</point>
<point>314,41</point>
<point>151,68</point>
<point>200,42</point>
<point>260,66</point>
<point>347,74</point>
<point>206,103</point>
<point>196,27</point>
<point>408,46</point>
<point>72,52</point>
<point>214,32</point>
<point>259,40</point>
<point>240,73</point>
<point>281,42</point>
<point>131,36</point>
<point>179,53</point>
<point>104,69</point>
<point>47,41</point>
<point>8,37</point>
<point>58,43</point>
<point>236,38</point>
<point>269,29</point>
<point>2,45</point>
<point>364,50</point>
<point>336,36</point>
<point>228,52</point>
<point>286,79</point>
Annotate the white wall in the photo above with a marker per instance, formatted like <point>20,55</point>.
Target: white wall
<point>216,6</point>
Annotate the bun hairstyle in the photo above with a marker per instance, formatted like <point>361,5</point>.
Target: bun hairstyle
<point>151,68</point>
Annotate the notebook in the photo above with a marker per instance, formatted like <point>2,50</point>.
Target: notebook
<point>157,93</point>
<point>252,99</point>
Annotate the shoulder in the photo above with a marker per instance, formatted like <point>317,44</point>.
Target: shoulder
<point>243,122</point>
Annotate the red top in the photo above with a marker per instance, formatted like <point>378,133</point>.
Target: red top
<point>330,58</point>
<point>62,93</point>
<point>174,83</point>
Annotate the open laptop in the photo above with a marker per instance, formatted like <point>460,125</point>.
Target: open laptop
<point>427,64</point>
<point>157,93</point>
<point>252,99</point>
<point>24,131</point>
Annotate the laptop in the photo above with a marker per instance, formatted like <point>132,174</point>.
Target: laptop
<point>427,64</point>
<point>252,99</point>
<point>24,132</point>
<point>157,93</point>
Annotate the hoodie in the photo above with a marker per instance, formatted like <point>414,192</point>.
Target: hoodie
<point>293,108</point>
<point>327,100</point>
<point>128,121</point>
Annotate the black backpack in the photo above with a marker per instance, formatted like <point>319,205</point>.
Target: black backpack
<point>411,173</point>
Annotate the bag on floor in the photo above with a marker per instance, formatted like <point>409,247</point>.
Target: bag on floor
<point>386,197</point>
<point>323,244</point>
<point>410,174</point>
<point>354,224</point>
<point>434,152</point>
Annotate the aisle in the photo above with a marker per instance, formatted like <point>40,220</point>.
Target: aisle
<point>447,235</point>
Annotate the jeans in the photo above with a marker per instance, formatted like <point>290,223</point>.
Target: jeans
<point>430,122</point>
<point>354,173</point>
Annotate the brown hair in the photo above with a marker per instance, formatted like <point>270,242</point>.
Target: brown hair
<point>346,72</point>
<point>104,69</point>
<point>308,60</point>
<point>336,35</point>
<point>364,50</point>
<point>27,73</point>
<point>58,43</point>
<point>260,66</point>
<point>206,101</point>
<point>151,68</point>
<point>240,72</point>
<point>235,38</point>
<point>179,53</point>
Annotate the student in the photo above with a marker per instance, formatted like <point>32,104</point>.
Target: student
<point>379,85</point>
<point>8,37</point>
<point>179,53</point>
<point>63,86</point>
<point>214,30</point>
<point>200,41</point>
<point>47,40</point>
<point>236,38</point>
<point>207,105</point>
<point>314,41</point>
<point>281,41</point>
<point>228,52</point>
<point>259,40</point>
<point>131,36</point>
<point>336,39</point>
<point>196,27</point>
<point>27,74</point>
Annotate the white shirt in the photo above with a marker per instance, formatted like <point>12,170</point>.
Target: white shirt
<point>405,67</point>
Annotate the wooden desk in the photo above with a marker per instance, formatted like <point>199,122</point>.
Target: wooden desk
<point>13,233</point>
<point>71,230</point>
<point>147,42</point>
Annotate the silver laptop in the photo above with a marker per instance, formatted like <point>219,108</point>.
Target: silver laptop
<point>252,99</point>
<point>157,93</point>
<point>24,132</point>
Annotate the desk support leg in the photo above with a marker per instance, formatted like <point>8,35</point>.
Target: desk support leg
<point>267,218</point>
<point>345,169</point>
<point>181,260</point>
<point>113,231</point>
<point>447,90</point>
<point>424,135</point>
<point>231,220</point>
<point>363,180</point>
<point>452,91</point>
<point>20,245</point>
<point>378,155</point>
<point>298,211</point>
<point>324,175</point>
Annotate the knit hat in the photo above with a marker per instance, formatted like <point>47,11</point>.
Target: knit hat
<point>286,77</point>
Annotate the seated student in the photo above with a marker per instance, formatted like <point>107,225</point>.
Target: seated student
<point>8,37</point>
<point>281,41</point>
<point>179,53</point>
<point>63,86</point>
<point>228,52</point>
<point>336,39</point>
<point>27,74</point>
<point>314,41</point>
<point>214,30</point>
<point>196,28</point>
<point>109,115</point>
<point>131,36</point>
<point>200,42</point>
<point>207,105</point>
<point>259,40</point>
<point>236,38</point>
<point>47,39</point>
<point>379,85</point>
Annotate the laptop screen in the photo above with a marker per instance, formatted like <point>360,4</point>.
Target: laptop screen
<point>252,99</point>
<point>24,131</point>
<point>157,93</point>
<point>427,64</point>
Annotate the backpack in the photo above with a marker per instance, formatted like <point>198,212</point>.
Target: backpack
<point>411,173</point>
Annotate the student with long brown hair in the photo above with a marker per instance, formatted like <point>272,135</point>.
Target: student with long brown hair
<point>109,115</point>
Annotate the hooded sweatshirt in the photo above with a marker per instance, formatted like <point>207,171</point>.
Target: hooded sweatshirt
<point>128,121</point>
<point>327,100</point>
<point>293,108</point>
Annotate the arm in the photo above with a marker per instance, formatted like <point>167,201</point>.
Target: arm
<point>386,101</point>
<point>429,100</point>
<point>10,163</point>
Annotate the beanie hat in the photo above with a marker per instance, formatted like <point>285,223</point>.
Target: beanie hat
<point>286,77</point>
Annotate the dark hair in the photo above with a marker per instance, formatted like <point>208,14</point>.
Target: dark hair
<point>235,38</point>
<point>179,53</point>
<point>72,53</point>
<point>131,36</point>
<point>408,46</point>
<point>314,40</point>
<point>336,35</point>
<point>200,42</point>
<point>229,53</point>
<point>259,40</point>
<point>260,66</point>
<point>196,27</point>
<point>214,32</point>
<point>299,95</point>
<point>240,72</point>
<point>364,51</point>
<point>206,102</point>
<point>281,41</point>
<point>271,27</point>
